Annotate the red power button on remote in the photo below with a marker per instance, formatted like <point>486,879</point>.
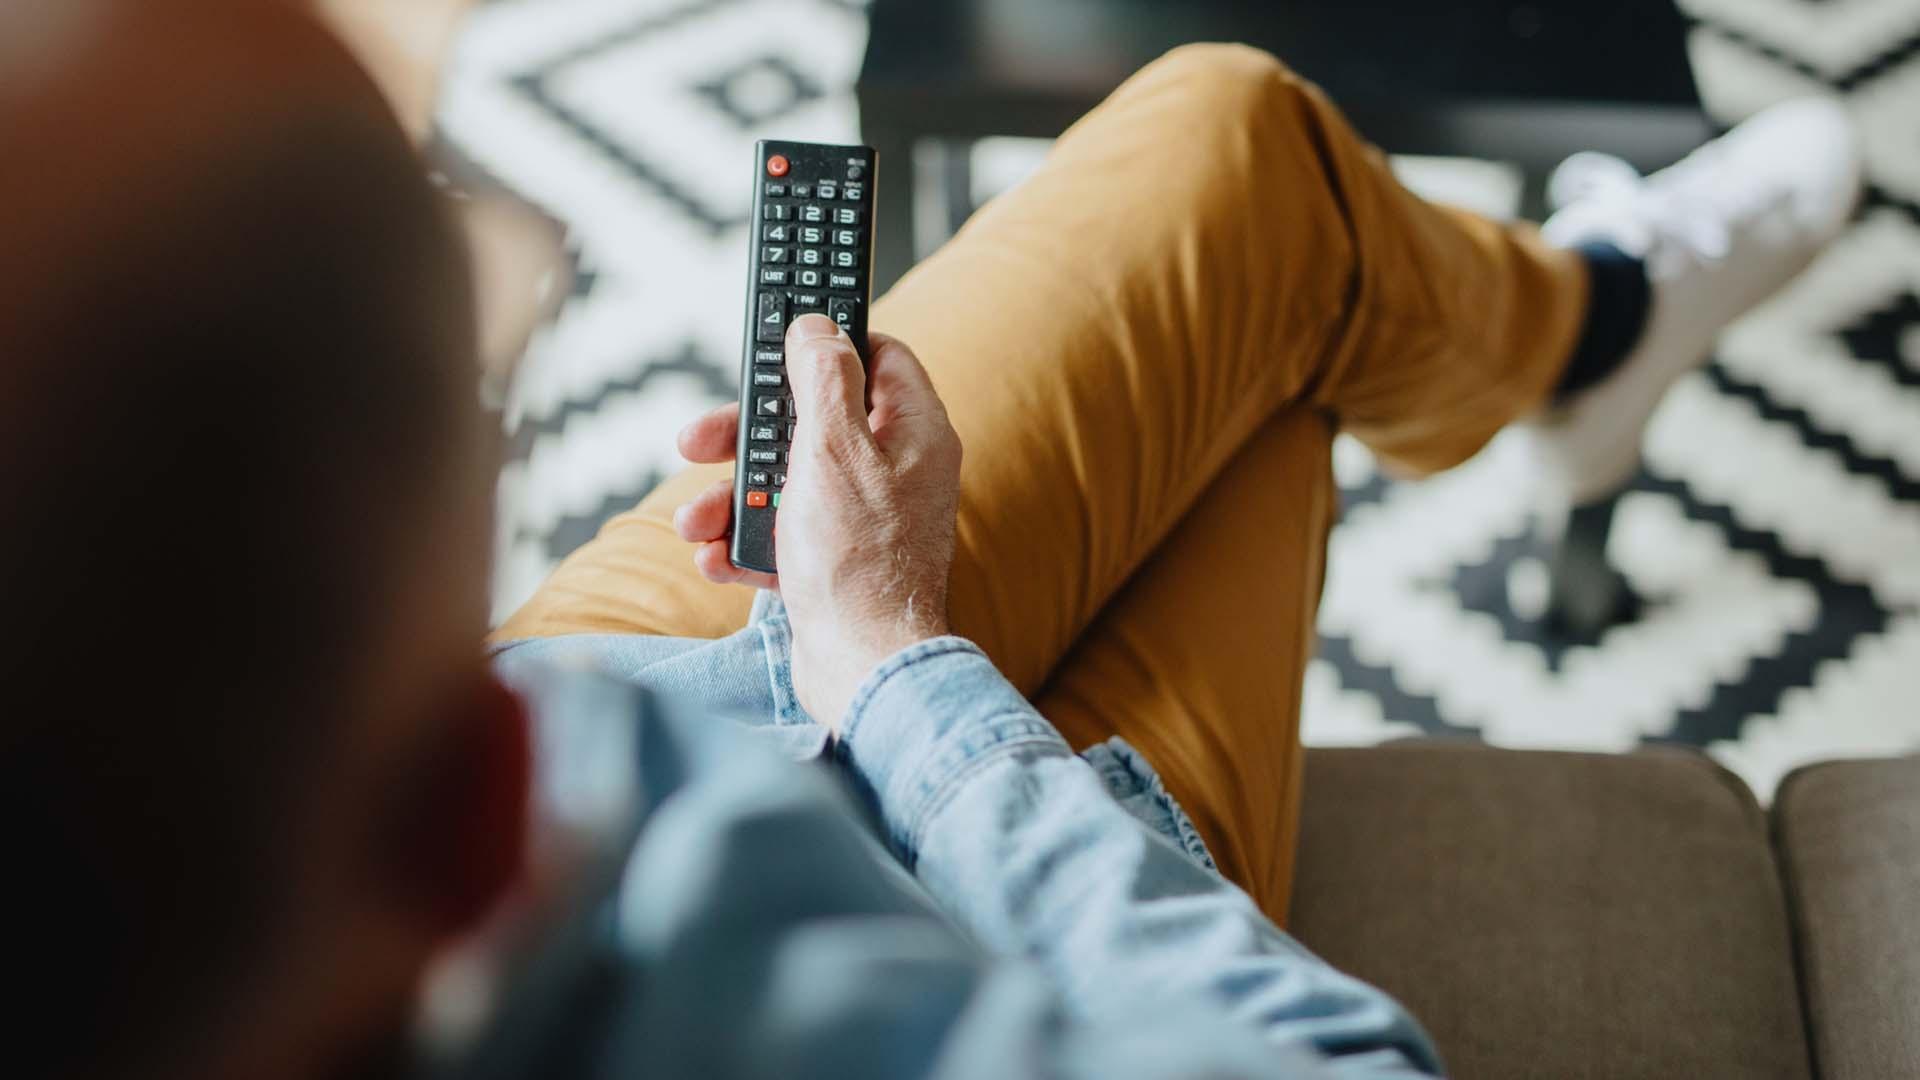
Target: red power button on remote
<point>777,165</point>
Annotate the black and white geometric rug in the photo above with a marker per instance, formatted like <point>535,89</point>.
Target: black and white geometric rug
<point>1773,534</point>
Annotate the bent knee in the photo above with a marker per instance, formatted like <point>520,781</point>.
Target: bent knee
<point>1231,79</point>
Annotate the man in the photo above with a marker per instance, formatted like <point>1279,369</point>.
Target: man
<point>258,776</point>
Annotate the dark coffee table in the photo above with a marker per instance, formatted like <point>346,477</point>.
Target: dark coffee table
<point>1524,83</point>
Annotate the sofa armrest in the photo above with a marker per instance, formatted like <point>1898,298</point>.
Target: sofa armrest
<point>1848,833</point>
<point>1554,914</point>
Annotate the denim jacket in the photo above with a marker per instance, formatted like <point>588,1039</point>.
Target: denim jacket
<point>947,890</point>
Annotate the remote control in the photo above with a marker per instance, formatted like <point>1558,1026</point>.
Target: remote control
<point>812,251</point>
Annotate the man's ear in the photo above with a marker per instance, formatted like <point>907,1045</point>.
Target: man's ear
<point>462,841</point>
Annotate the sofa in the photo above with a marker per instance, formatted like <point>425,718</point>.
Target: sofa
<point>1571,915</point>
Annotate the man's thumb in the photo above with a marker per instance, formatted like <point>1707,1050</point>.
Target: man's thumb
<point>829,385</point>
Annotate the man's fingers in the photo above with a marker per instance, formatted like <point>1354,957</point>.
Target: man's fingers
<point>706,521</point>
<point>707,516</point>
<point>829,385</point>
<point>905,405</point>
<point>711,560</point>
<point>711,438</point>
<point>900,383</point>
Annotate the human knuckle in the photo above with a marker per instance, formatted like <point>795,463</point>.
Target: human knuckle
<point>828,353</point>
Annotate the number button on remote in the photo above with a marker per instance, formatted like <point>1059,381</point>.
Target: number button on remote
<point>846,215</point>
<point>812,215</point>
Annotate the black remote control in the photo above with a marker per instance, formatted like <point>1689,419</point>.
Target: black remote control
<point>812,251</point>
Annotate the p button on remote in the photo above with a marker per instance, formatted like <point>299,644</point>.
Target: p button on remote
<point>842,311</point>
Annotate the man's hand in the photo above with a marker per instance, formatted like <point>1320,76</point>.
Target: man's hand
<point>866,526</point>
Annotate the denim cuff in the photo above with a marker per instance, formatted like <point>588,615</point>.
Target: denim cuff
<point>927,719</point>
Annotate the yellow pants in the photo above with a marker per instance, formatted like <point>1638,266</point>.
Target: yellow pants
<point>1147,349</point>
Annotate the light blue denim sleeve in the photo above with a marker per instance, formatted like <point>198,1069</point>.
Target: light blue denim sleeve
<point>1021,843</point>
<point>760,929</point>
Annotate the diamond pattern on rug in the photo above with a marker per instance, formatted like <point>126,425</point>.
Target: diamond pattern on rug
<point>760,91</point>
<point>1772,539</point>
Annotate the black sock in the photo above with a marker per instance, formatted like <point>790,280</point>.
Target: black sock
<point>1616,314</point>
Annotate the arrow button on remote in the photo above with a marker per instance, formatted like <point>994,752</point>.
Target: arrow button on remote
<point>773,317</point>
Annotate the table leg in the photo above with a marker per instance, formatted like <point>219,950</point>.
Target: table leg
<point>957,174</point>
<point>1586,594</point>
<point>893,241</point>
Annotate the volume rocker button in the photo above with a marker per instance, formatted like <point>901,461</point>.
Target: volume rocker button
<point>773,317</point>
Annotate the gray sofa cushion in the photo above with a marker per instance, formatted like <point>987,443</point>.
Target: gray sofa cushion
<point>1555,915</point>
<point>1848,835</point>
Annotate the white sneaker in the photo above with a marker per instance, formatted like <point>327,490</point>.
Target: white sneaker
<point>1719,232</point>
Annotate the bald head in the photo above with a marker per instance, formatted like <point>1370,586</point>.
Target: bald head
<point>243,490</point>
